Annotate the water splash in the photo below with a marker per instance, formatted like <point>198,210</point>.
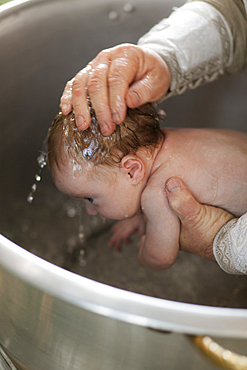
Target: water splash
<point>42,163</point>
<point>89,145</point>
<point>81,237</point>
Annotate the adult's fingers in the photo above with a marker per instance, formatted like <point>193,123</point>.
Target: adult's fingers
<point>66,99</point>
<point>125,60</point>
<point>113,70</point>
<point>125,75</point>
<point>75,97</point>
<point>136,76</point>
<point>151,82</point>
<point>79,98</point>
<point>97,89</point>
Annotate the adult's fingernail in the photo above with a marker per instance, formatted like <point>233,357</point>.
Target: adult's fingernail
<point>80,122</point>
<point>116,117</point>
<point>134,98</point>
<point>104,129</point>
<point>173,185</point>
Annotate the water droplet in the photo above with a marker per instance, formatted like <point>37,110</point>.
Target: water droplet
<point>82,262</point>
<point>42,160</point>
<point>113,15</point>
<point>33,235</point>
<point>34,187</point>
<point>24,228</point>
<point>80,236</point>
<point>76,168</point>
<point>30,198</point>
<point>128,8</point>
<point>71,212</point>
<point>162,113</point>
<point>37,177</point>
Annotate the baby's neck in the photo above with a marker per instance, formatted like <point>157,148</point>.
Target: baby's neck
<point>149,160</point>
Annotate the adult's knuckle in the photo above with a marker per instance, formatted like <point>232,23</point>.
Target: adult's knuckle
<point>94,83</point>
<point>77,107</point>
<point>197,219</point>
<point>75,83</point>
<point>68,85</point>
<point>115,80</point>
<point>77,92</point>
<point>105,53</point>
<point>64,98</point>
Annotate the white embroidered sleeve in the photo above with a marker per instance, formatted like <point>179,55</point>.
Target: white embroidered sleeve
<point>245,5</point>
<point>195,42</point>
<point>230,246</point>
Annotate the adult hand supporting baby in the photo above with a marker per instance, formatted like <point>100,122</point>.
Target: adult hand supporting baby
<point>199,223</point>
<point>125,75</point>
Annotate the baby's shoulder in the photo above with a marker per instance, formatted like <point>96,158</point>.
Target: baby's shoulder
<point>155,186</point>
<point>154,197</point>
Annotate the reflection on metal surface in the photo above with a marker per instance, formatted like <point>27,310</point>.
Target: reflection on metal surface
<point>51,318</point>
<point>5,362</point>
<point>220,356</point>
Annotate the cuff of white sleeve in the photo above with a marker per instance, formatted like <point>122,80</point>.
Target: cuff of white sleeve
<point>222,249</point>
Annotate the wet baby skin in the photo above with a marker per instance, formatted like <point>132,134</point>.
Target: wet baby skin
<point>209,161</point>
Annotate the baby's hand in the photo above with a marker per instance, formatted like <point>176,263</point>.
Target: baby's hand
<point>124,229</point>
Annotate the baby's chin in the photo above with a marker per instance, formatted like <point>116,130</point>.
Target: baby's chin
<point>130,215</point>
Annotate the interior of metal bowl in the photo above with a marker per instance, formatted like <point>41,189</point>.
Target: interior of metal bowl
<point>45,44</point>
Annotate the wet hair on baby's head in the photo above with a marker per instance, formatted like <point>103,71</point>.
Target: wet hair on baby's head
<point>140,129</point>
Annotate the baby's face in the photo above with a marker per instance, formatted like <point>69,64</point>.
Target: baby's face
<point>110,195</point>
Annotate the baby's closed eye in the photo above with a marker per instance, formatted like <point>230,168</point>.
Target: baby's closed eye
<point>89,199</point>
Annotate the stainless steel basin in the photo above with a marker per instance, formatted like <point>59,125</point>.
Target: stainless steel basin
<point>55,311</point>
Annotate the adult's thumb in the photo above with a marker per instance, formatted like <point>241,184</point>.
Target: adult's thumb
<point>182,201</point>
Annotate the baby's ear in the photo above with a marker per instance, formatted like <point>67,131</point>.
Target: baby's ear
<point>133,167</point>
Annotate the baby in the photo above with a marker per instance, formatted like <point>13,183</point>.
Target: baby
<point>122,177</point>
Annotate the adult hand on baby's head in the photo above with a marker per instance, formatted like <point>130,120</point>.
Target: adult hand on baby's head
<point>125,75</point>
<point>199,223</point>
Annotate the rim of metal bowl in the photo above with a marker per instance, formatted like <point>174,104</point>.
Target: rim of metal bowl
<point>113,302</point>
<point>119,304</point>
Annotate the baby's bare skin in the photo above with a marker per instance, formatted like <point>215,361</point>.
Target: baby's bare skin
<point>211,163</point>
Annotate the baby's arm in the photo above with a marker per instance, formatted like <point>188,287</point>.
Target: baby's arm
<point>123,230</point>
<point>158,248</point>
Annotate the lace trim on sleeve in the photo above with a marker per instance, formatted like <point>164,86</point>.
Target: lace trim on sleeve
<point>230,246</point>
<point>196,51</point>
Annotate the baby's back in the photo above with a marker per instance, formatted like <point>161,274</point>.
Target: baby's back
<point>213,163</point>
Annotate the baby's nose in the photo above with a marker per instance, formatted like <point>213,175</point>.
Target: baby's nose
<point>91,209</point>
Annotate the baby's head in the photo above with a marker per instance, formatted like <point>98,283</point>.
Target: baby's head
<point>107,172</point>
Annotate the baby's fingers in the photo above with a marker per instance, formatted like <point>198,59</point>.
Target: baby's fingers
<point>117,244</point>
